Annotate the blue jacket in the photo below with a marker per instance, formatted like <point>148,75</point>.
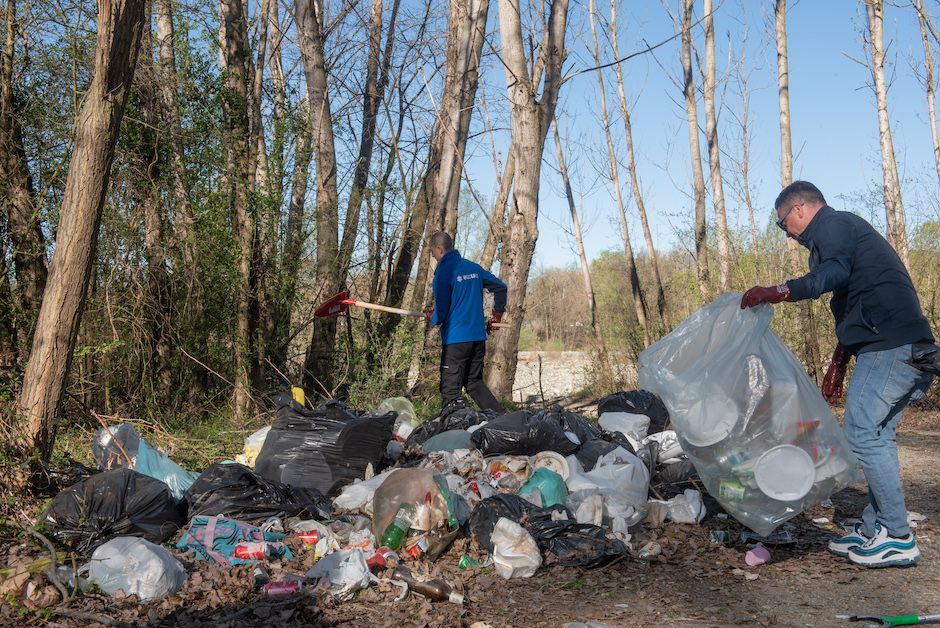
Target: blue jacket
<point>458,298</point>
<point>873,299</point>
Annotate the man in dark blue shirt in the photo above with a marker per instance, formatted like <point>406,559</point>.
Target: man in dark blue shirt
<point>458,309</point>
<point>878,320</point>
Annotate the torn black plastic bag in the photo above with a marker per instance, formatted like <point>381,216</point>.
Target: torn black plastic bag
<point>486,513</point>
<point>326,448</point>
<point>120,502</point>
<point>576,424</point>
<point>453,418</point>
<point>637,402</point>
<point>524,433</point>
<point>235,491</point>
<point>576,544</point>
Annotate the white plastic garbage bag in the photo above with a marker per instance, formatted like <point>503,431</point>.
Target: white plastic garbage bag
<point>253,444</point>
<point>685,508</point>
<point>618,470</point>
<point>340,574</point>
<point>515,552</point>
<point>759,433</point>
<point>137,567</point>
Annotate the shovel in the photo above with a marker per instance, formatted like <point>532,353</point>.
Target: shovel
<point>339,303</point>
<point>900,620</point>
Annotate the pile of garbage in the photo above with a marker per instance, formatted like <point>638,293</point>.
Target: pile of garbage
<point>375,496</point>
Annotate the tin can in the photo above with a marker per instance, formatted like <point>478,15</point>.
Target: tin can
<point>390,557</point>
<point>719,537</point>
<point>309,538</point>
<point>732,490</point>
<point>252,551</point>
<point>282,590</point>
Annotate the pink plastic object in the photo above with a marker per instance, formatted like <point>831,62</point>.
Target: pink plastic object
<point>760,555</point>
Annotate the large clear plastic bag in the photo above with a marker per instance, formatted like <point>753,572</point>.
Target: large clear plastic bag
<point>753,423</point>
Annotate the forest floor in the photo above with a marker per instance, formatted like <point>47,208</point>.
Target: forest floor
<point>692,583</point>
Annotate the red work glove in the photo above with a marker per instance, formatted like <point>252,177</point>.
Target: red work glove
<point>428,313</point>
<point>770,294</point>
<point>835,375</point>
<point>495,318</point>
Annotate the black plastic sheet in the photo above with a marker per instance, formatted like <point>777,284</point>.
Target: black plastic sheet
<point>577,544</point>
<point>637,402</point>
<point>325,448</point>
<point>120,502</point>
<point>236,492</point>
<point>454,417</point>
<point>487,513</point>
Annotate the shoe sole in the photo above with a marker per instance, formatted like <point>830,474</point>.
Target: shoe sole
<point>903,562</point>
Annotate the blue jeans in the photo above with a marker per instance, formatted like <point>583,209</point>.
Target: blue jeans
<point>882,385</point>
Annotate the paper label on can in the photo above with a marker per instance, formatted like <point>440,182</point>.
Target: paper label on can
<point>732,490</point>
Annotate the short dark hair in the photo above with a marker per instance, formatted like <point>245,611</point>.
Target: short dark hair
<point>442,238</point>
<point>799,192</point>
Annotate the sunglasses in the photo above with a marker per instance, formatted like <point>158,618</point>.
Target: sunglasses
<point>783,218</point>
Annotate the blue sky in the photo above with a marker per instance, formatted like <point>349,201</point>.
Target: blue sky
<point>834,124</point>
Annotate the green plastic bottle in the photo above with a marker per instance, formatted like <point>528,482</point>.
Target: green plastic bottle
<point>397,530</point>
<point>445,491</point>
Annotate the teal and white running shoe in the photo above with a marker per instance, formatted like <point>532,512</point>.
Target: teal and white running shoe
<point>883,550</point>
<point>841,547</point>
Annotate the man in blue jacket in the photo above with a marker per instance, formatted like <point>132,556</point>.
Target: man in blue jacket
<point>458,309</point>
<point>878,320</point>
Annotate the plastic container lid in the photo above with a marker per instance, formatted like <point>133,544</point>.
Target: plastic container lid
<point>553,462</point>
<point>785,473</point>
<point>710,420</point>
<point>831,467</point>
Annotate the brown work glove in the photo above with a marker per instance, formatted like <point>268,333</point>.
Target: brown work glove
<point>835,375</point>
<point>770,294</point>
<point>495,318</point>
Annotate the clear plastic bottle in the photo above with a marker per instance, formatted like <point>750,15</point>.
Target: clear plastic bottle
<point>395,533</point>
<point>434,589</point>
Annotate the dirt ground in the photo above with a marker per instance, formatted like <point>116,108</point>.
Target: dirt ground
<point>693,582</point>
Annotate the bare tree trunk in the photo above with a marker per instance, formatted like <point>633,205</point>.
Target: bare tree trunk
<point>18,198</point>
<point>158,280</point>
<point>120,23</point>
<point>599,345</point>
<point>714,153</point>
<point>318,364</point>
<point>638,305</point>
<point>807,320</point>
<point>494,235</point>
<point>238,140</point>
<point>530,119</point>
<point>929,81</point>
<point>634,178</point>
<point>894,208</point>
<point>698,178</point>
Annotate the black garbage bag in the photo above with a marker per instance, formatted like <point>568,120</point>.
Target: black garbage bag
<point>588,453</point>
<point>523,433</point>
<point>119,502</point>
<point>925,356</point>
<point>326,448</point>
<point>487,513</point>
<point>576,544</point>
<point>637,402</point>
<point>454,417</point>
<point>576,424</point>
<point>237,492</point>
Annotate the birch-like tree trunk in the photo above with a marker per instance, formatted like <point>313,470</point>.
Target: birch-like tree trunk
<point>638,304</point>
<point>894,208</point>
<point>807,320</point>
<point>531,116</point>
<point>698,177</point>
<point>599,344</point>
<point>714,153</point>
<point>634,177</point>
<point>120,23</point>
<point>925,28</point>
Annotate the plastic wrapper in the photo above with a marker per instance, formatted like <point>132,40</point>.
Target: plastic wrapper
<point>618,470</point>
<point>325,448</point>
<point>144,458</point>
<point>253,446</point>
<point>550,485</point>
<point>759,433</point>
<point>610,505</point>
<point>358,496</point>
<point>340,574</point>
<point>113,503</point>
<point>406,419</point>
<point>524,433</point>
<point>409,486</point>
<point>234,490</point>
<point>136,567</point>
<point>515,552</point>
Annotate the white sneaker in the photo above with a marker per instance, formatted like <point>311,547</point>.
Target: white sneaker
<point>883,550</point>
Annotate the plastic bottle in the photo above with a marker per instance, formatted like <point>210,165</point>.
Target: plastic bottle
<point>445,491</point>
<point>395,533</point>
<point>433,589</point>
